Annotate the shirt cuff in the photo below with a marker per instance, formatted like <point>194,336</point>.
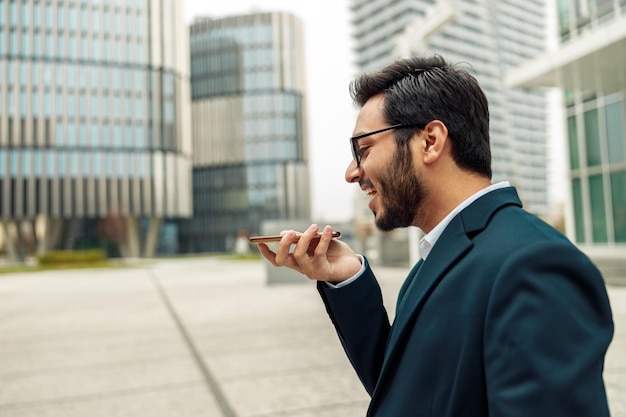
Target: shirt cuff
<point>352,278</point>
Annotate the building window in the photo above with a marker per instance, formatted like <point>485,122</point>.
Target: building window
<point>615,132</point>
<point>37,51</point>
<point>38,163</point>
<point>10,104</point>
<point>578,210</point>
<point>35,104</point>
<point>13,19</point>
<point>618,196</point>
<point>60,18</point>
<point>49,16</point>
<point>13,48</point>
<point>95,136</point>
<point>572,134</point>
<point>26,162</point>
<point>26,43</point>
<point>598,209</point>
<point>592,138</point>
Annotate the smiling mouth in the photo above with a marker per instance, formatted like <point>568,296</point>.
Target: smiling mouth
<point>369,190</point>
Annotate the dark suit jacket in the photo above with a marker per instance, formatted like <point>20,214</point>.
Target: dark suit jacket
<point>505,318</point>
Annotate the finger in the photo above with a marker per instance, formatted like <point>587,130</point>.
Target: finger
<point>284,246</point>
<point>322,247</point>
<point>301,252</point>
<point>267,253</point>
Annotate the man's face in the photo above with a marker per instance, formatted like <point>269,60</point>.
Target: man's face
<point>386,172</point>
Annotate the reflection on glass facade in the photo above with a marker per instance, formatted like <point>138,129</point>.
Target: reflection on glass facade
<point>576,16</point>
<point>597,173</point>
<point>248,128</point>
<point>93,109</point>
<point>598,156</point>
<point>588,65</point>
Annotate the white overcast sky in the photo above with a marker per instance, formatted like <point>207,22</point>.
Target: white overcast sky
<point>329,69</point>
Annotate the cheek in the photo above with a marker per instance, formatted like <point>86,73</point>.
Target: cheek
<point>374,163</point>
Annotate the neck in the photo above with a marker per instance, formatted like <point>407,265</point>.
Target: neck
<point>446,195</point>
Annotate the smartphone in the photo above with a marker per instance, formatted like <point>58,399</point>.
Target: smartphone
<point>276,238</point>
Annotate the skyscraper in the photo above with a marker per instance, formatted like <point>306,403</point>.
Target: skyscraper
<point>589,65</point>
<point>94,120</point>
<point>250,156</point>
<point>486,37</point>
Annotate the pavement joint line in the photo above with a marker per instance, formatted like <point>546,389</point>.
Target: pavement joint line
<point>281,372</point>
<point>210,381</point>
<point>238,350</point>
<point>99,396</point>
<point>122,364</point>
<point>325,407</point>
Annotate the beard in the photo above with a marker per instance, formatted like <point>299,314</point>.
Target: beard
<point>402,192</point>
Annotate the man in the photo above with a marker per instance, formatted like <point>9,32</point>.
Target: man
<point>503,316</point>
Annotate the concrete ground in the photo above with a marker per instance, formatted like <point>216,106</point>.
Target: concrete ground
<point>197,337</point>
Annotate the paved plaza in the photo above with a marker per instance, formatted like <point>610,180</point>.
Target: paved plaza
<point>195,337</point>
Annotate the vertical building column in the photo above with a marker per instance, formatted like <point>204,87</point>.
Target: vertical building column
<point>8,239</point>
<point>152,238</point>
<point>48,234</point>
<point>132,238</point>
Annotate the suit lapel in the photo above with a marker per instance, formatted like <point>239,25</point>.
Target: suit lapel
<point>454,244</point>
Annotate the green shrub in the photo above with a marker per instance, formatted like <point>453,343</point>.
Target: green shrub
<point>109,246</point>
<point>66,257</point>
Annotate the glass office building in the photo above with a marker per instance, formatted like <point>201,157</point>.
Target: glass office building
<point>94,118</point>
<point>250,157</point>
<point>589,65</point>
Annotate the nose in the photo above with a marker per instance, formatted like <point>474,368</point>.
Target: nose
<point>353,173</point>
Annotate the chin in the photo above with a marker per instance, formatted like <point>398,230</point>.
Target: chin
<point>385,226</point>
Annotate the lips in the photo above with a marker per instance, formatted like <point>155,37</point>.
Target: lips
<point>368,189</point>
<point>370,192</point>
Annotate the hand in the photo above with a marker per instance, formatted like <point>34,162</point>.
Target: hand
<point>323,259</point>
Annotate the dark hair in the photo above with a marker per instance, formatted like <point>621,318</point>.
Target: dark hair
<point>421,89</point>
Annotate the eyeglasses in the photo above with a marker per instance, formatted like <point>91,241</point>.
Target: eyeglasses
<point>353,140</point>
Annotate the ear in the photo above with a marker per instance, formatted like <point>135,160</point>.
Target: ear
<point>435,138</point>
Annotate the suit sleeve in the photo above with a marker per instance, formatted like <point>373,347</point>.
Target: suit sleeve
<point>547,330</point>
<point>362,324</point>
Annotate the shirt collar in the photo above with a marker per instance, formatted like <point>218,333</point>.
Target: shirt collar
<point>427,242</point>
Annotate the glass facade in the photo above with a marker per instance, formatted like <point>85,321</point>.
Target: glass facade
<point>588,66</point>
<point>249,133</point>
<point>597,173</point>
<point>93,100</point>
<point>576,16</point>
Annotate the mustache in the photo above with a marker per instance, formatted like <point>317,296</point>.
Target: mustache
<point>366,182</point>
